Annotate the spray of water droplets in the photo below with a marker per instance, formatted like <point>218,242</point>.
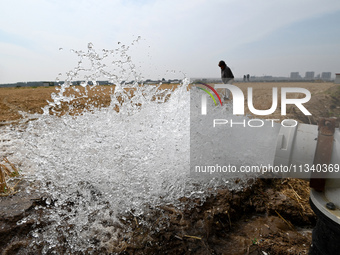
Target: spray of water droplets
<point>95,167</point>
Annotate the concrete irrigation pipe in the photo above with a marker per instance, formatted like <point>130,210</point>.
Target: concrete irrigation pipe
<point>313,152</point>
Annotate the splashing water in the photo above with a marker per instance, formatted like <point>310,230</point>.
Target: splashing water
<point>103,163</point>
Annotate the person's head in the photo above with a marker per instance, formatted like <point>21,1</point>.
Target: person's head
<point>222,64</point>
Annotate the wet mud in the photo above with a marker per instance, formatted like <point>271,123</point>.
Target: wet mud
<point>271,216</point>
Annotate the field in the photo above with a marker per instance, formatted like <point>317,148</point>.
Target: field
<point>324,101</point>
<point>271,216</point>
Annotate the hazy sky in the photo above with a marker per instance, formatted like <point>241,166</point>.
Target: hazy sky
<point>259,37</point>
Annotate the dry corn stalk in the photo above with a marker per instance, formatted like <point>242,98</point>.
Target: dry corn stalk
<point>15,171</point>
<point>3,185</point>
<point>6,190</point>
<point>287,222</point>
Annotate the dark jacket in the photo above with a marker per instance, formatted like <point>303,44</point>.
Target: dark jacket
<point>227,73</point>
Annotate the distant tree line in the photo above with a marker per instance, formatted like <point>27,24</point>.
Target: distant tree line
<point>52,83</point>
<point>46,83</point>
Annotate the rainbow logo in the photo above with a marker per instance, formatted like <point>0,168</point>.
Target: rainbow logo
<point>208,92</point>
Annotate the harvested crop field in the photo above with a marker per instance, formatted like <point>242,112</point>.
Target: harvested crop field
<point>269,216</point>
<point>324,101</point>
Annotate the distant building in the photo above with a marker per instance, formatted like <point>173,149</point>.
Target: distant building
<point>337,78</point>
<point>47,83</point>
<point>309,75</point>
<point>295,75</point>
<point>326,75</point>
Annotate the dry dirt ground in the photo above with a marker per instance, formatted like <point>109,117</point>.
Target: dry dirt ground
<point>270,216</point>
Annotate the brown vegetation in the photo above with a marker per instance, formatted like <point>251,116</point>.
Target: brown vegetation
<point>7,169</point>
<point>324,101</point>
